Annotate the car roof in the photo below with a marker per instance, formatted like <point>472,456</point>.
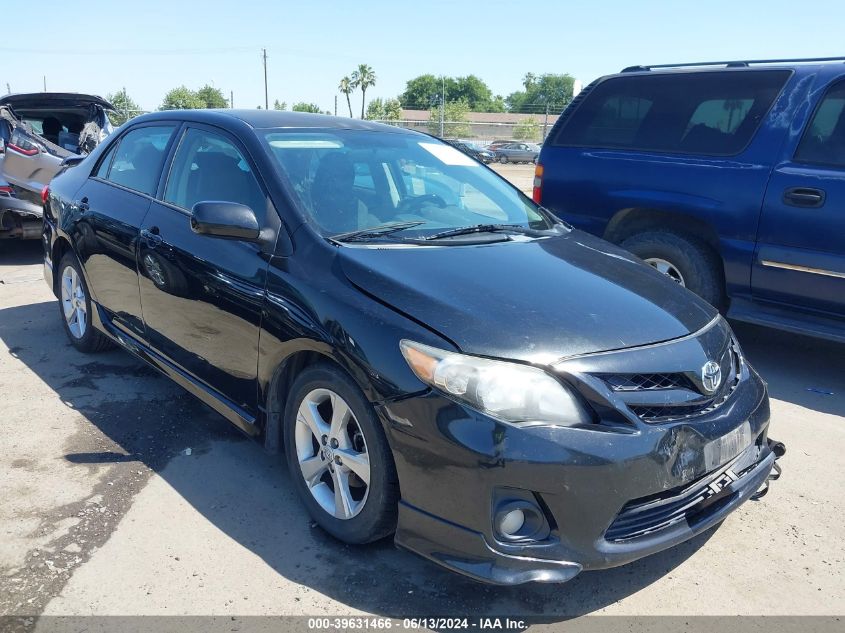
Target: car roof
<point>54,99</point>
<point>270,119</point>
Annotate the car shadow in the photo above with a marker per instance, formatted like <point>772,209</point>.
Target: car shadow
<point>805,371</point>
<point>21,252</point>
<point>151,421</point>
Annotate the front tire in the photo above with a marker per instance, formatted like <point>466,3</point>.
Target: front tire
<point>684,259</point>
<point>338,457</point>
<point>75,308</point>
<point>503,159</point>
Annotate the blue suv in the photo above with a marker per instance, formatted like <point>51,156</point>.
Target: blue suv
<point>727,176</point>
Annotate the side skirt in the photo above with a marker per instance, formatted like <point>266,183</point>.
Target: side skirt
<point>225,407</point>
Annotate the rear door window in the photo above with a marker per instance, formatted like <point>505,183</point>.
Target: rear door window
<point>710,113</point>
<point>824,140</point>
<point>140,154</point>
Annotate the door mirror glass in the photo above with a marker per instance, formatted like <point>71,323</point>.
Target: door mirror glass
<point>225,219</point>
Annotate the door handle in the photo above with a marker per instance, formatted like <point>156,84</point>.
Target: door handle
<point>806,197</point>
<point>151,237</point>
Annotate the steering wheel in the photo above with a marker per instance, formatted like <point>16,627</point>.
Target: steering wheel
<point>414,203</point>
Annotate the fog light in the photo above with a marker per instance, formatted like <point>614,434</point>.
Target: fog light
<point>511,522</point>
<point>519,521</point>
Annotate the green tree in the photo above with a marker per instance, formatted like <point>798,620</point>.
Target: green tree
<point>381,110</point>
<point>475,92</point>
<point>301,106</point>
<point>455,120</point>
<point>181,99</point>
<point>363,78</point>
<point>552,91</point>
<point>212,97</point>
<point>423,92</point>
<point>125,107</point>
<point>280,105</point>
<point>345,86</point>
<point>527,130</point>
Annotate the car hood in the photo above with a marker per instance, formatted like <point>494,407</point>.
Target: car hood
<point>534,300</point>
<point>38,100</point>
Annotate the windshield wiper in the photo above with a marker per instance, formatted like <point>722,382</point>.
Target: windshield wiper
<point>376,231</point>
<point>486,228</point>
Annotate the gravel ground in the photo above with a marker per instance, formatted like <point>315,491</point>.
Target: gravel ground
<point>122,495</point>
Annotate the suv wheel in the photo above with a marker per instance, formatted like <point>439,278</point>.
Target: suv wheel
<point>338,457</point>
<point>684,259</point>
<point>75,308</point>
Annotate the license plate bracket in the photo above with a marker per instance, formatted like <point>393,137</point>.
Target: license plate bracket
<point>725,448</point>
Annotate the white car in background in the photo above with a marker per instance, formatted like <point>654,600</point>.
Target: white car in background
<point>38,133</point>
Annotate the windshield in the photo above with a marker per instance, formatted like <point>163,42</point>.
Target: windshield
<point>353,180</point>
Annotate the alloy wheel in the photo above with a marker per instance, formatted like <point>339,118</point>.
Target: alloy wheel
<point>332,453</point>
<point>667,268</point>
<point>73,303</point>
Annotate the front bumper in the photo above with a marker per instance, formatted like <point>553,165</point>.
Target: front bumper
<point>456,464</point>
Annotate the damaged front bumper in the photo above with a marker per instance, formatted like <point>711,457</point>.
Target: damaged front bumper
<point>598,498</point>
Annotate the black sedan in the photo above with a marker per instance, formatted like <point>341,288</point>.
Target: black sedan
<point>439,358</point>
<point>472,150</point>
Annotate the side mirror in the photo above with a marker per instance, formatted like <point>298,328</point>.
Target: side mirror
<point>225,219</point>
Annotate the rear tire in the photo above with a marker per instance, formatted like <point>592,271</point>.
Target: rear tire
<point>691,262</point>
<point>503,159</point>
<point>76,310</point>
<point>325,402</point>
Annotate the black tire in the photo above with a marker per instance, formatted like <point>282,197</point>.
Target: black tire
<point>92,340</point>
<point>377,518</point>
<point>696,262</point>
<point>503,159</point>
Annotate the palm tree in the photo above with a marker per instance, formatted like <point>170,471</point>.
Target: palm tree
<point>346,87</point>
<point>363,78</point>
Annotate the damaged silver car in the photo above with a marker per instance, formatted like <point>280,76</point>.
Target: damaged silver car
<point>38,133</point>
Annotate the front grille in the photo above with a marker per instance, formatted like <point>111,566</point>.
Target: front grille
<point>640,382</point>
<point>658,410</point>
<point>658,512</point>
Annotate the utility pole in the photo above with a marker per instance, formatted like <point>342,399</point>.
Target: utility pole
<point>442,105</point>
<point>231,99</point>
<point>266,96</point>
<point>45,83</point>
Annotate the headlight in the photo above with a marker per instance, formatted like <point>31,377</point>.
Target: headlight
<point>507,391</point>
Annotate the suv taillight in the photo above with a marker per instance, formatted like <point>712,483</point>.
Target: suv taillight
<point>45,193</point>
<point>537,192</point>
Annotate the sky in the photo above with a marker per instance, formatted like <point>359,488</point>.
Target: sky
<point>151,46</point>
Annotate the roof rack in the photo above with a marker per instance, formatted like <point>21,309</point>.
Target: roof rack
<point>734,63</point>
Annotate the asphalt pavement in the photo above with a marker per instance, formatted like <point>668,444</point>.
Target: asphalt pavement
<point>123,495</point>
